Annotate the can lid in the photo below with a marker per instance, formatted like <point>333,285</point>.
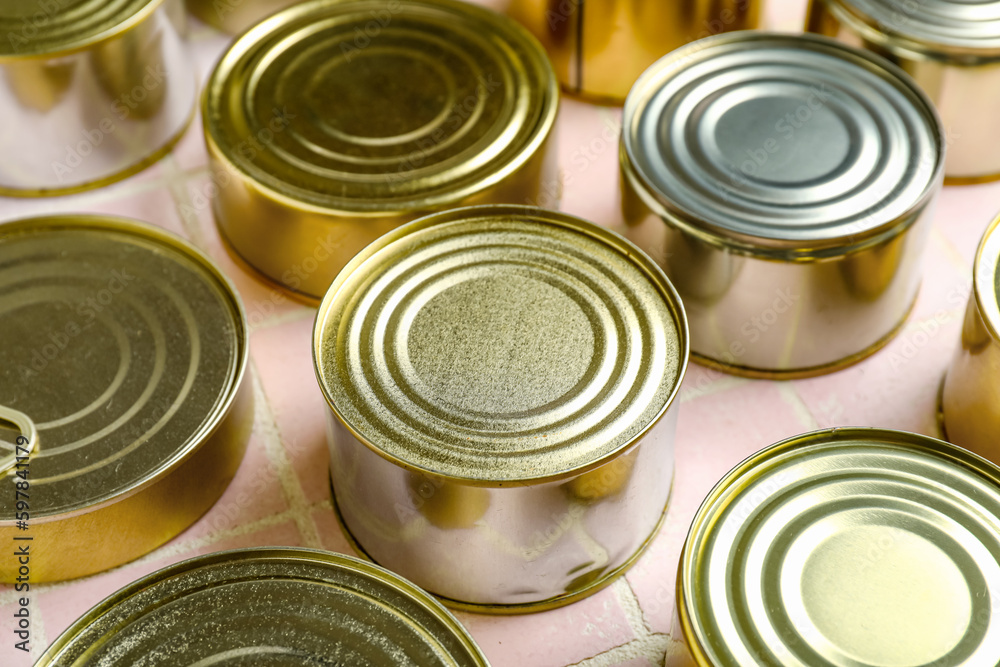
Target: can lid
<point>986,278</point>
<point>53,28</point>
<point>268,606</point>
<point>123,345</point>
<point>381,108</point>
<point>500,345</point>
<point>770,140</point>
<point>847,547</point>
<point>959,24</point>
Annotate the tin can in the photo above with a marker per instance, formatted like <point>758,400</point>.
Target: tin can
<point>235,16</point>
<point>600,47</point>
<point>267,606</point>
<point>93,92</point>
<point>786,185</point>
<point>502,383</point>
<point>951,48</point>
<point>844,547</point>
<point>125,350</point>
<point>970,396</point>
<point>333,122</point>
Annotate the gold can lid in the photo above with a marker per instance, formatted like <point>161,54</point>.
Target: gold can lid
<point>986,278</point>
<point>268,606</point>
<point>123,345</point>
<point>847,547</point>
<point>380,106</point>
<point>500,345</point>
<point>54,27</point>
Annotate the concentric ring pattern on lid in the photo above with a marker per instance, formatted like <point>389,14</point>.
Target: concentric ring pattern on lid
<point>781,140</point>
<point>41,28</point>
<point>961,24</point>
<point>124,351</point>
<point>388,106</point>
<point>847,547</point>
<point>500,344</point>
<point>268,606</point>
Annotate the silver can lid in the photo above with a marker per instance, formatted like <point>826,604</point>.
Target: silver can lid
<point>935,24</point>
<point>781,140</point>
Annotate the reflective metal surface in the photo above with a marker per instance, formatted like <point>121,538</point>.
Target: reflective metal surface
<point>858,547</point>
<point>269,607</point>
<point>785,184</point>
<point>235,16</point>
<point>971,392</point>
<point>93,91</point>
<point>951,48</point>
<point>127,349</point>
<point>600,47</point>
<point>321,140</point>
<point>502,383</point>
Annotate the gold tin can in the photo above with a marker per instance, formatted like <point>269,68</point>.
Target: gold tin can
<point>864,547</point>
<point>600,47</point>
<point>785,183</point>
<point>502,384</point>
<point>235,16</point>
<point>970,397</point>
<point>267,606</point>
<point>126,349</point>
<point>333,122</point>
<point>951,48</point>
<point>93,91</point>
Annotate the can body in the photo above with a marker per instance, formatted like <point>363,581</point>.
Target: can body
<point>235,16</point>
<point>815,551</point>
<point>763,217</point>
<point>962,80</point>
<point>971,392</point>
<point>508,445</point>
<point>87,115</point>
<point>600,47</point>
<point>395,109</point>
<point>130,366</point>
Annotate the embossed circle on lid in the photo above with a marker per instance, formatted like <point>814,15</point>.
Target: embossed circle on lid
<point>122,346</point>
<point>781,140</point>
<point>271,607</point>
<point>500,344</point>
<point>848,546</point>
<point>958,24</point>
<point>367,106</point>
<point>31,28</point>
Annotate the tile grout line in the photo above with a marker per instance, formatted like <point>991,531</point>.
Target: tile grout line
<point>652,647</point>
<point>717,386</point>
<point>950,251</point>
<point>633,610</point>
<point>40,640</point>
<point>176,186</point>
<point>278,456</point>
<point>790,395</point>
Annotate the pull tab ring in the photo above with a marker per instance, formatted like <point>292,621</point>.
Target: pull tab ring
<point>27,427</point>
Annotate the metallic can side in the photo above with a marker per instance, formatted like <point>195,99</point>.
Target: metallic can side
<point>815,551</point>
<point>970,399</point>
<point>235,16</point>
<point>127,350</point>
<point>510,445</point>
<point>449,104</point>
<point>278,606</point>
<point>793,237</point>
<point>91,100</point>
<point>599,48</point>
<point>950,49</point>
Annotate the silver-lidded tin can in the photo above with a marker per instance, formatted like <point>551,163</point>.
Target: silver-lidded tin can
<point>951,48</point>
<point>267,606</point>
<point>502,385</point>
<point>785,184</point>
<point>852,546</point>
<point>970,397</point>
<point>93,91</point>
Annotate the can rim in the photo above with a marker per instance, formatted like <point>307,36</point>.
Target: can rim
<point>557,218</point>
<point>985,268</point>
<point>540,133</point>
<point>829,436</point>
<point>76,46</point>
<point>275,553</point>
<point>238,374</point>
<point>762,246</point>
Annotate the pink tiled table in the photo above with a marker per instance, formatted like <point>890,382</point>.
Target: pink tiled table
<point>281,495</point>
